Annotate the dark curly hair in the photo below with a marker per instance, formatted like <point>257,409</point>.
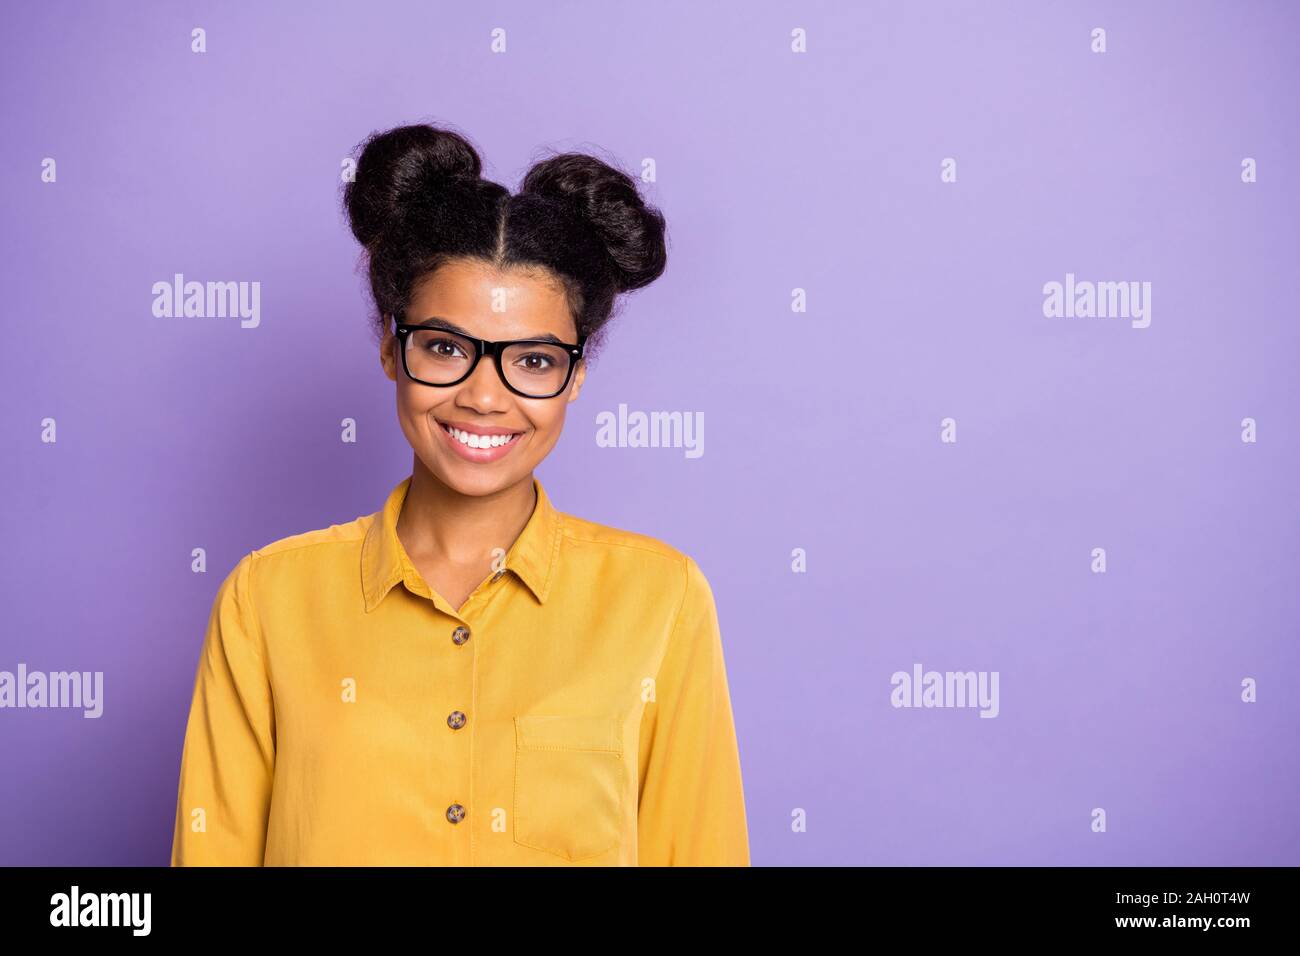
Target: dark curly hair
<point>418,200</point>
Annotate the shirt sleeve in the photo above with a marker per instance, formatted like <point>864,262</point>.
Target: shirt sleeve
<point>691,809</point>
<point>228,759</point>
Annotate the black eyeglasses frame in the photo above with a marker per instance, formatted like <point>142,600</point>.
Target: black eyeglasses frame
<point>482,347</point>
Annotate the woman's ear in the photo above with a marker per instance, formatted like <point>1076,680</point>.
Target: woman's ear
<point>579,373</point>
<point>388,352</point>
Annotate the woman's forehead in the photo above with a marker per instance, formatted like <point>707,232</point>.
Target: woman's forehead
<point>492,303</point>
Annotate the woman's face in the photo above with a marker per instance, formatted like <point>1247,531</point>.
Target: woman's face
<point>487,304</point>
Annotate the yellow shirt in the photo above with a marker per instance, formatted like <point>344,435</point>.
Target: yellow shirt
<point>575,710</point>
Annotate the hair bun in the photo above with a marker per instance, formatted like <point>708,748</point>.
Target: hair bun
<point>608,200</point>
<point>401,167</point>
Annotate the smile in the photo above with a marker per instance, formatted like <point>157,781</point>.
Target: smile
<point>477,446</point>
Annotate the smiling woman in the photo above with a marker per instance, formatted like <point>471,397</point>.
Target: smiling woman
<point>540,689</point>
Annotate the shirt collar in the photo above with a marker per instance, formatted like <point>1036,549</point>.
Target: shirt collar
<point>384,561</point>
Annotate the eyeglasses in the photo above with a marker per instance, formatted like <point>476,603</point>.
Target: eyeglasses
<point>532,368</point>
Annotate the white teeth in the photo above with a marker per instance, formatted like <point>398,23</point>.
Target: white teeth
<point>478,441</point>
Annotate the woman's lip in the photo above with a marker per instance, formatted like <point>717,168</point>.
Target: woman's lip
<point>488,430</point>
<point>480,455</point>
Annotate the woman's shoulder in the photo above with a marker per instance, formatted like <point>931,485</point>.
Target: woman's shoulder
<point>302,560</point>
<point>317,539</point>
<point>633,544</point>
<point>632,562</point>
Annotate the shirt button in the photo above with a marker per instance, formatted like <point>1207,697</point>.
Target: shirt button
<point>460,635</point>
<point>456,720</point>
<point>455,813</point>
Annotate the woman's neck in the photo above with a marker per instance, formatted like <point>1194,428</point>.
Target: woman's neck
<point>440,525</point>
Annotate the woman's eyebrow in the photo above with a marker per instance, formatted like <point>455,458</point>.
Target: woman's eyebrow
<point>437,322</point>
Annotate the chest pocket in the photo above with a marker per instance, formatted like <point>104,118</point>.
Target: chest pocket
<point>568,784</point>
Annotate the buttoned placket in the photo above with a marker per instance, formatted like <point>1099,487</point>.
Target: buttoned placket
<point>457,719</point>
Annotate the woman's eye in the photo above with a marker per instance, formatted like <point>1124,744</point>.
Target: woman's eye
<point>536,362</point>
<point>444,347</point>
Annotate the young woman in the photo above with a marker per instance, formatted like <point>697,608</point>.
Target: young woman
<point>470,676</point>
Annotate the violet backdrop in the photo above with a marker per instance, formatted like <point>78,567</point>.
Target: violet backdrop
<point>776,171</point>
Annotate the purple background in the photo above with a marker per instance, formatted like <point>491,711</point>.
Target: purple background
<point>775,171</point>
